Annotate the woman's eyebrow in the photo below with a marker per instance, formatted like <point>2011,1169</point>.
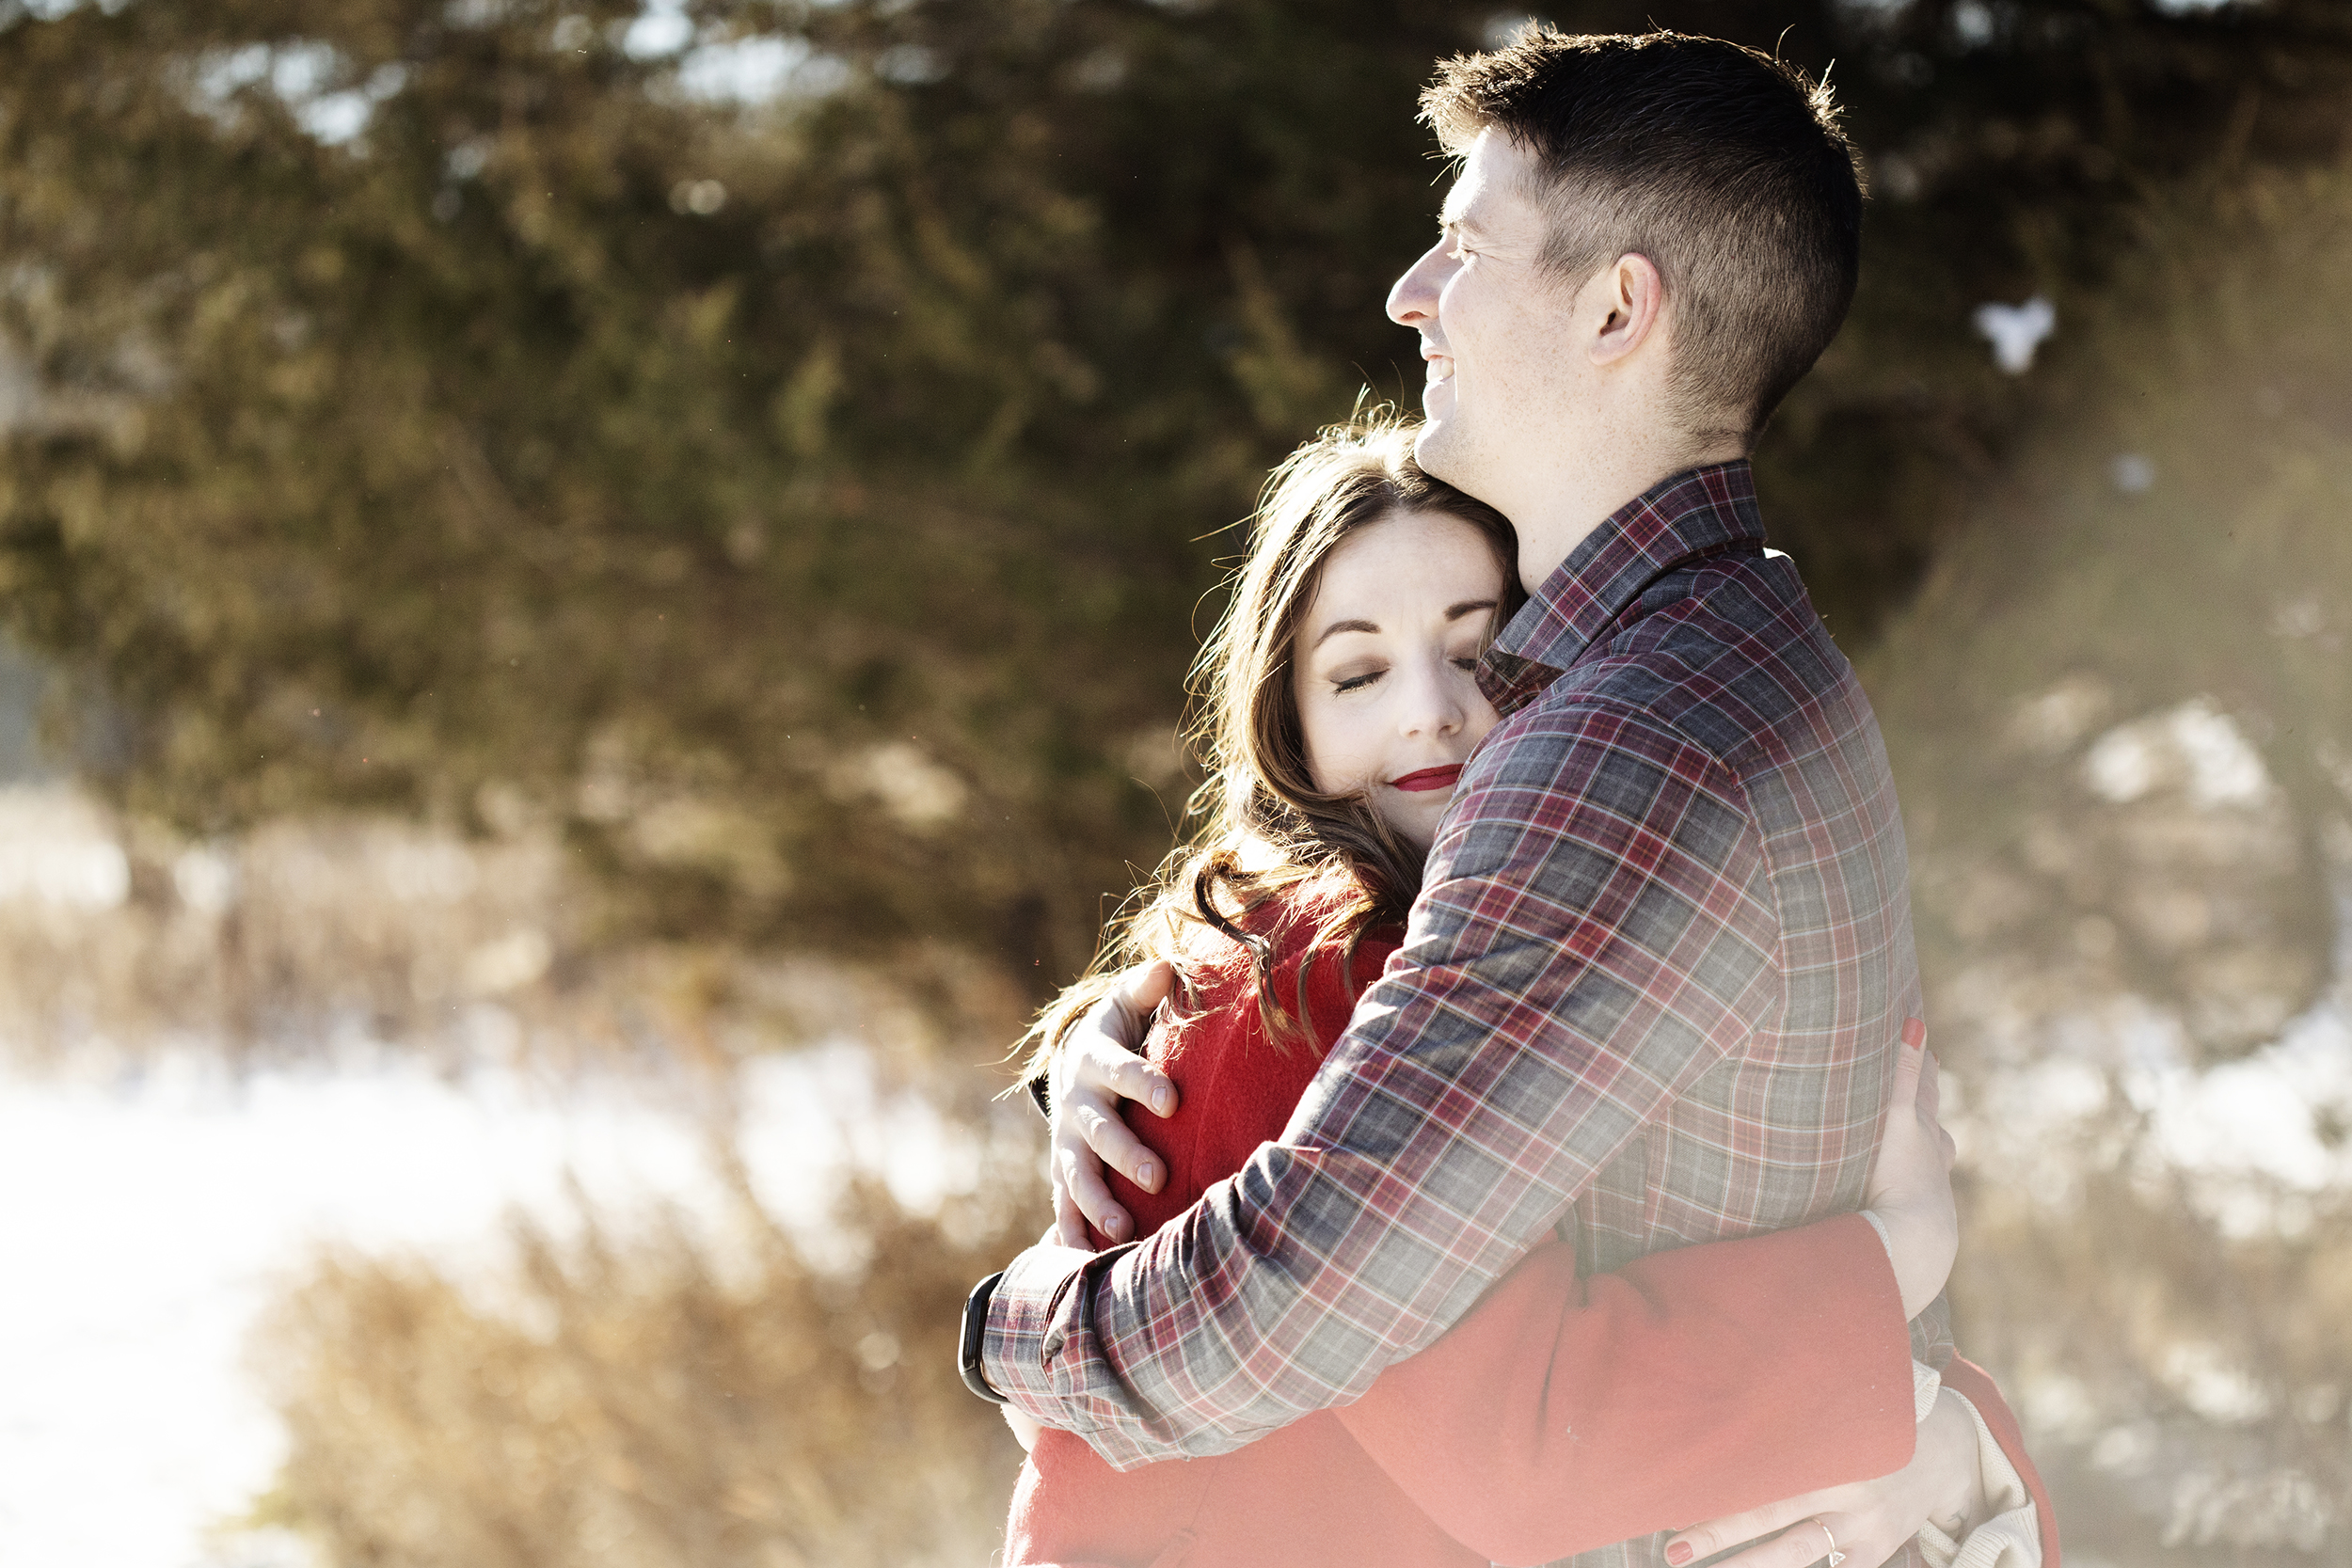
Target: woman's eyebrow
<point>1468,607</point>
<point>1338,627</point>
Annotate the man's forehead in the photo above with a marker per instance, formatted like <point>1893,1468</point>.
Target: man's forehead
<point>1490,187</point>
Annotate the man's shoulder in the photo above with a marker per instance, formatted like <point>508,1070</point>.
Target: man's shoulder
<point>1599,779</point>
<point>1729,656</point>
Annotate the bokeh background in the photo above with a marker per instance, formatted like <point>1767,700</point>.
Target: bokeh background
<point>595,596</point>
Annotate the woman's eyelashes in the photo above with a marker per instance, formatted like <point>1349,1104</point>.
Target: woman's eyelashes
<point>1362,679</point>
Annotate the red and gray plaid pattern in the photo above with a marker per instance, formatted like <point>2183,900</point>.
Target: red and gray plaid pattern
<point>1648,996</point>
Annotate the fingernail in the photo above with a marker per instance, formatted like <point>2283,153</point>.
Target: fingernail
<point>1159,1102</point>
<point>1143,1177</point>
<point>1915,1033</point>
<point>1679,1553</point>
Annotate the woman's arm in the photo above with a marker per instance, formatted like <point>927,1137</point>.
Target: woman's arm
<point>1981,1509</point>
<point>1564,1414</point>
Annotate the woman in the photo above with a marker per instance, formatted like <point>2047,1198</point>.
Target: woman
<point>1339,709</point>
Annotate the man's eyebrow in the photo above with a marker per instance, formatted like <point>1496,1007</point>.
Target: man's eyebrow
<point>1338,627</point>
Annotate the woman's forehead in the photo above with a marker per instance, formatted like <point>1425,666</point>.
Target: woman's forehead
<point>1406,559</point>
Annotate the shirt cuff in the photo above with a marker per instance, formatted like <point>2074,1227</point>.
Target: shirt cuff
<point>1925,1382</point>
<point>1030,1319</point>
<point>2010,1536</point>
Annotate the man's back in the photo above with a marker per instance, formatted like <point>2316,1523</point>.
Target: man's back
<point>1707,704</point>
<point>1727,653</point>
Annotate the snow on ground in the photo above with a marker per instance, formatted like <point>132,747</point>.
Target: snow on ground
<point>148,1217</point>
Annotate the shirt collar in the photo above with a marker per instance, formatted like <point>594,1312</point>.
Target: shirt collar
<point>1695,513</point>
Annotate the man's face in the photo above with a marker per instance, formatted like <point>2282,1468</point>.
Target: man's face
<point>1502,396</point>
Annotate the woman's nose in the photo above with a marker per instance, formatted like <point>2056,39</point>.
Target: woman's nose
<point>1433,705</point>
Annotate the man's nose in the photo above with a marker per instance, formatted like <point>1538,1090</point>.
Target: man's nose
<point>1413,298</point>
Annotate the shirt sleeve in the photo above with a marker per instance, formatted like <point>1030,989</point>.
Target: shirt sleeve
<point>1565,1414</point>
<point>1597,933</point>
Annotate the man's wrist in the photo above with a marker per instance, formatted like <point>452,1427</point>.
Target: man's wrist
<point>972,1347</point>
<point>1019,1330</point>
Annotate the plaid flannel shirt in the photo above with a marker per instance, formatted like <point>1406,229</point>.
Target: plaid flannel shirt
<point>1648,996</point>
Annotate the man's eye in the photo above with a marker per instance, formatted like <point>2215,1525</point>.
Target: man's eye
<point>1469,664</point>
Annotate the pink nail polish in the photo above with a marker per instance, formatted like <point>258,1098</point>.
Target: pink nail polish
<point>1679,1553</point>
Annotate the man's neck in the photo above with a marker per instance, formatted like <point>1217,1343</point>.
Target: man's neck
<point>1551,525</point>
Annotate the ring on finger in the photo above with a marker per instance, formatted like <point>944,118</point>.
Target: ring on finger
<point>1835,1557</point>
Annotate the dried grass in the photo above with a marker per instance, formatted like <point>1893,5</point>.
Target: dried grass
<point>628,1403</point>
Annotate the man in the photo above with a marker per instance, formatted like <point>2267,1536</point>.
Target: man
<point>1664,947</point>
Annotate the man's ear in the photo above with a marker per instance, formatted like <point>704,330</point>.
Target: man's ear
<point>1631,297</point>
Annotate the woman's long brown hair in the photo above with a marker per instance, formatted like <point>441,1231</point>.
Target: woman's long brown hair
<point>1258,825</point>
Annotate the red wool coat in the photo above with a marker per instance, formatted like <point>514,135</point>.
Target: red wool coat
<point>1561,1415</point>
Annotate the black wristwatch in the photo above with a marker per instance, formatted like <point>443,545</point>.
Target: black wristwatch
<point>976,1338</point>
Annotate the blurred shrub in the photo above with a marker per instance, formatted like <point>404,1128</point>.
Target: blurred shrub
<point>800,498</point>
<point>308,934</point>
<point>616,1403</point>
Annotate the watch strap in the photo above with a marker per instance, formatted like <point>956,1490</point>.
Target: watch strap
<point>975,1340</point>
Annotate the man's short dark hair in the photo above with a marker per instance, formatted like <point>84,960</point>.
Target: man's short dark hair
<point>1724,167</point>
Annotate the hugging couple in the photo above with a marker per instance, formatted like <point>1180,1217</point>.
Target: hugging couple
<point>1530,1149</point>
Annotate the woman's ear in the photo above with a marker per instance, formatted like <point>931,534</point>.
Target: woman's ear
<point>1630,296</point>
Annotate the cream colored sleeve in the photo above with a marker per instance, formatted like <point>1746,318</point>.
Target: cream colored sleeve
<point>1924,1380</point>
<point>2010,1535</point>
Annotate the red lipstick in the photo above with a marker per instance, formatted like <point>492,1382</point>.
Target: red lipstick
<point>1429,778</point>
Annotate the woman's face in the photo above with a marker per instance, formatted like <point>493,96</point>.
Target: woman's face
<point>1384,661</point>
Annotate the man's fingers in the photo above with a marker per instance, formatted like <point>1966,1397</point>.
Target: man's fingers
<point>1146,986</point>
<point>1069,1225</point>
<point>1082,1179</point>
<point>1116,1145</point>
<point>1100,1064</point>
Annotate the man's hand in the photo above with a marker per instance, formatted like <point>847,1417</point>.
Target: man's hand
<point>1911,1182</point>
<point>1868,1521</point>
<point>1095,1067</point>
<point>1025,1427</point>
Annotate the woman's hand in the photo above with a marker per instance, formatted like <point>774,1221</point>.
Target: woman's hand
<point>1095,1067</point>
<point>1868,1521</point>
<point>1911,1183</point>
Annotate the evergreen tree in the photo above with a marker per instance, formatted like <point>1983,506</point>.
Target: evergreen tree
<point>469,408</point>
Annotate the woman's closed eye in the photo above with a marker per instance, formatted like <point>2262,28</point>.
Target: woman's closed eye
<point>1357,682</point>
